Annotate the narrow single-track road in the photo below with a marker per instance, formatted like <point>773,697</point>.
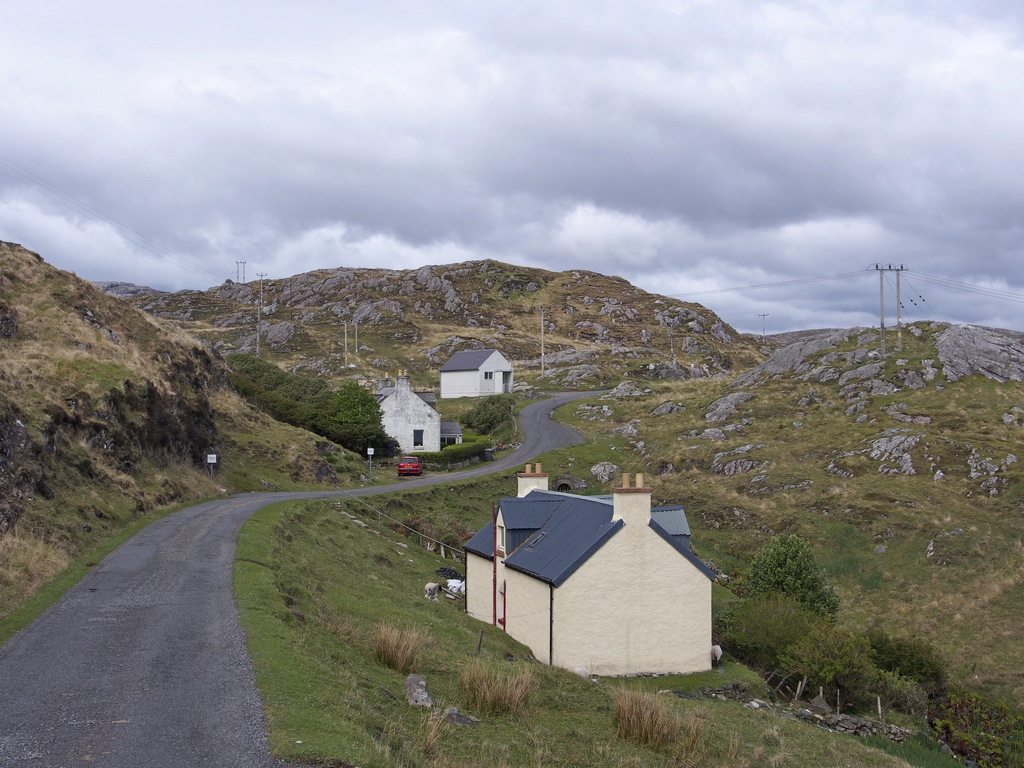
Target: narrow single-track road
<point>142,664</point>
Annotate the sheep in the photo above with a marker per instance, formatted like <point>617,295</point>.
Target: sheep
<point>716,655</point>
<point>431,590</point>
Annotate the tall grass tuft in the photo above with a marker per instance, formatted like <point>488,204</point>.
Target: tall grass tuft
<point>496,692</point>
<point>641,718</point>
<point>398,648</point>
<point>432,727</point>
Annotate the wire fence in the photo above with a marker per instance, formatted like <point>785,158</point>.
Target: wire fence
<point>458,554</point>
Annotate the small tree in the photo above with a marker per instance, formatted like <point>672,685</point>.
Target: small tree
<point>353,405</point>
<point>786,565</point>
<point>835,659</point>
<point>490,413</point>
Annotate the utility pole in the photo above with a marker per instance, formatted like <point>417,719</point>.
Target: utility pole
<point>357,340</point>
<point>346,342</point>
<point>542,309</point>
<point>259,312</point>
<point>881,300</point>
<point>899,318</point>
<point>763,316</point>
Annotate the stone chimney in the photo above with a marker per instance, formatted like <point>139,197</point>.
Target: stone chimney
<point>632,504</point>
<point>531,479</point>
<point>402,380</point>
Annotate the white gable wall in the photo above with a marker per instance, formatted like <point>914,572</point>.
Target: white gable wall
<point>636,605</point>
<point>404,412</point>
<point>479,589</point>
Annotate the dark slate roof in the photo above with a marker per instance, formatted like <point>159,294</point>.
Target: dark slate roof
<point>531,511</point>
<point>552,534</point>
<point>450,428</point>
<point>576,531</point>
<point>382,394</point>
<point>672,519</point>
<point>482,542</point>
<point>467,360</point>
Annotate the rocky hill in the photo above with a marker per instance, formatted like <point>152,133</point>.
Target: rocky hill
<point>596,328</point>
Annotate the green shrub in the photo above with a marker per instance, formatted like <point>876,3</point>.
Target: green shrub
<point>990,734</point>
<point>452,454</point>
<point>490,414</point>
<point>759,630</point>
<point>836,659</point>
<point>899,692</point>
<point>909,657</point>
<point>786,565</point>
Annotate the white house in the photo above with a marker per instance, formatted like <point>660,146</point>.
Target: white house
<point>409,416</point>
<point>476,373</point>
<point>603,583</point>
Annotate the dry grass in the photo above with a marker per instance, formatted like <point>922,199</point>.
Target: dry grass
<point>432,729</point>
<point>642,718</point>
<point>25,564</point>
<point>398,648</point>
<point>493,691</point>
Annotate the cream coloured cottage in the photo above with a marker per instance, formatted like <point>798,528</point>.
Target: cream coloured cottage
<point>604,583</point>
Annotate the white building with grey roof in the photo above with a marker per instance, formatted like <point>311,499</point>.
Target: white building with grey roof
<point>476,373</point>
<point>602,583</point>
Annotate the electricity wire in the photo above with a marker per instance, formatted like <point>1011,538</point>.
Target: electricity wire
<point>55,193</point>
<point>782,284</point>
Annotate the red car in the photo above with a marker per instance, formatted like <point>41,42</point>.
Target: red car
<point>410,465</point>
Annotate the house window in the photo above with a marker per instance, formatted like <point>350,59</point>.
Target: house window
<point>488,375</point>
<point>417,438</point>
<point>501,538</point>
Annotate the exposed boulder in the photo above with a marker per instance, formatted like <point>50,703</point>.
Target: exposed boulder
<point>416,692</point>
<point>793,358</point>
<point>723,408</point>
<point>668,407</point>
<point>967,349</point>
<point>895,446</point>
<point>604,471</point>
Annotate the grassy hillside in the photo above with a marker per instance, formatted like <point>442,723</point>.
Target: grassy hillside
<point>315,587</point>
<point>107,414</point>
<point>912,497</point>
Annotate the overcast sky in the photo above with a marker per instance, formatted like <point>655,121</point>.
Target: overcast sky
<point>689,146</point>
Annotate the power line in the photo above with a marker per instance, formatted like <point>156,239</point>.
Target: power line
<point>782,284</point>
<point>55,193</point>
<point>995,293</point>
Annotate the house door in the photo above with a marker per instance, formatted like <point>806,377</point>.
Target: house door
<point>506,382</point>
<point>501,605</point>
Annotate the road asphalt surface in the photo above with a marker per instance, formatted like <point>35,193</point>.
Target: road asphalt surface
<point>142,664</point>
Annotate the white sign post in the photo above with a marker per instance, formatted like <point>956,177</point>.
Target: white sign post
<point>369,453</point>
